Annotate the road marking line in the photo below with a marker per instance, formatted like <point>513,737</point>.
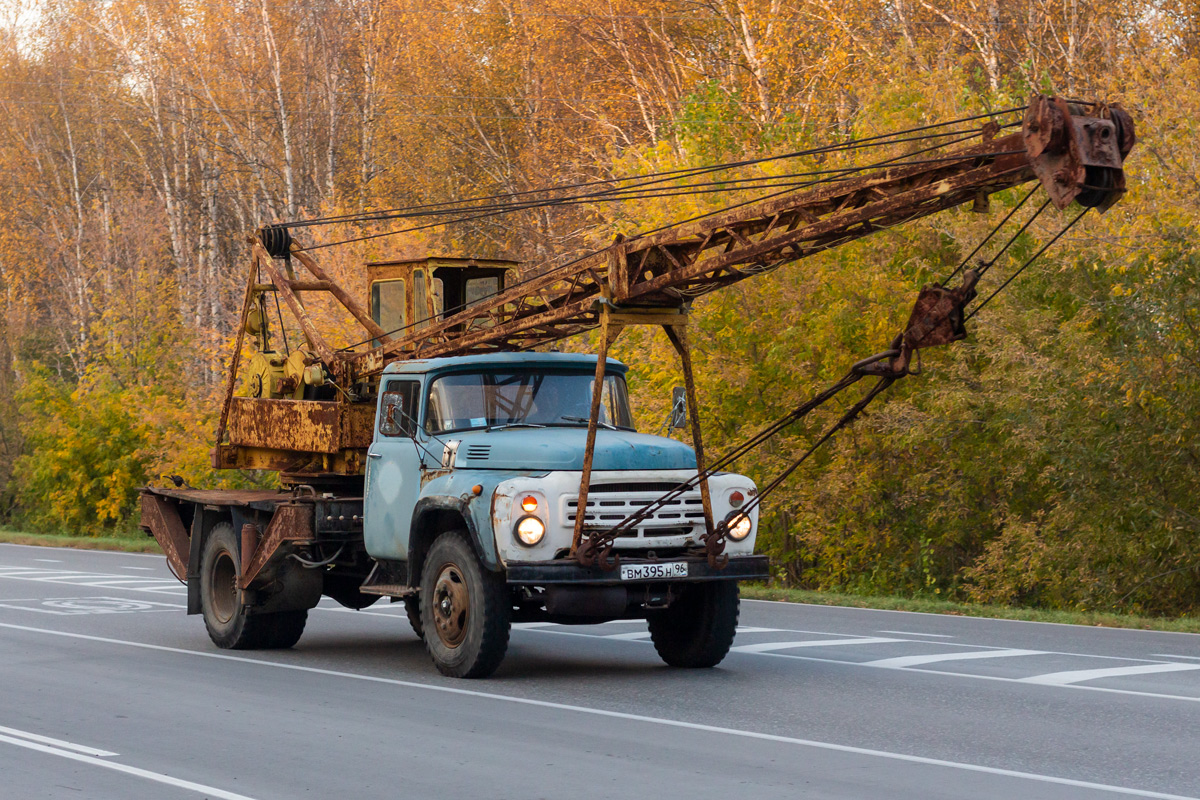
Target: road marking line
<point>751,629</point>
<point>87,550</point>
<point>132,581</point>
<point>524,626</point>
<point>768,647</point>
<point>95,579</point>
<point>157,777</point>
<point>629,637</point>
<point>26,572</point>
<point>968,675</point>
<point>912,661</point>
<point>49,560</point>
<point>78,748</point>
<point>914,633</point>
<point>968,617</point>
<point>1173,655</point>
<point>144,569</point>
<point>1075,676</point>
<point>599,712</point>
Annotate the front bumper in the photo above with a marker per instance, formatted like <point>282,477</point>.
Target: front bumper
<point>542,573</point>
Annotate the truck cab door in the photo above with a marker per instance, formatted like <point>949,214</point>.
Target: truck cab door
<point>393,481</point>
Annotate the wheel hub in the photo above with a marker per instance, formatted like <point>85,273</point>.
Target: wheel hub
<point>451,602</point>
<point>224,588</point>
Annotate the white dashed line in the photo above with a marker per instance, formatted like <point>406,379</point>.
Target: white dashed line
<point>914,633</point>
<point>1075,676</point>
<point>913,661</point>
<point>749,629</point>
<point>768,647</point>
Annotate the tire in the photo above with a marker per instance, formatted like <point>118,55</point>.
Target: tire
<point>230,622</point>
<point>466,610</point>
<point>412,607</point>
<point>282,629</point>
<point>697,630</point>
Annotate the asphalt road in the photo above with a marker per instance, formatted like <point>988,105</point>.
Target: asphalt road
<point>107,690</point>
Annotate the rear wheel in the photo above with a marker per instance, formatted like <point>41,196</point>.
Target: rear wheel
<point>229,620</point>
<point>282,629</point>
<point>697,630</point>
<point>466,610</point>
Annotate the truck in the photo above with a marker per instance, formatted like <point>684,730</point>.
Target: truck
<point>455,461</point>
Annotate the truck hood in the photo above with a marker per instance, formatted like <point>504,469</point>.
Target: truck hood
<point>562,448</point>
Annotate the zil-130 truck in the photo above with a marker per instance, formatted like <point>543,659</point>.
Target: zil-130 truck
<point>449,462</point>
<point>467,499</point>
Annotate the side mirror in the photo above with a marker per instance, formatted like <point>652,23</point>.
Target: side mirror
<point>390,425</point>
<point>679,414</point>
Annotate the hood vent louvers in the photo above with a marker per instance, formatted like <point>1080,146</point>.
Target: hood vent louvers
<point>478,452</point>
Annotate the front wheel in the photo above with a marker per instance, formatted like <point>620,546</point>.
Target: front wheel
<point>697,630</point>
<point>466,610</point>
<point>412,609</point>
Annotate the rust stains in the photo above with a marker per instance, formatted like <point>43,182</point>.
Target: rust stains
<point>309,426</point>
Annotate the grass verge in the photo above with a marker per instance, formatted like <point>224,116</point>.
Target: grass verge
<point>127,544</point>
<point>754,591</point>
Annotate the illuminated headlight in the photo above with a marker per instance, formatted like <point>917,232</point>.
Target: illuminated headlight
<point>529,531</point>
<point>737,526</point>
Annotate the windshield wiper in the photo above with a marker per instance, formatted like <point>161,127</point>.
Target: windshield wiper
<point>585,421</point>
<point>514,425</point>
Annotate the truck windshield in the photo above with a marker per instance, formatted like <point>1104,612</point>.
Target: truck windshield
<point>492,399</point>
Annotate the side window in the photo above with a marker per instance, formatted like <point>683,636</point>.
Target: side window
<point>388,305</point>
<point>481,289</point>
<point>398,408</point>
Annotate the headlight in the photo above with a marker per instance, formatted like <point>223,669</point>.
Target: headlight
<point>530,531</point>
<point>737,526</point>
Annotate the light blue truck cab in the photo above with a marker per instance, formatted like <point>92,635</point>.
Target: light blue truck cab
<point>471,496</point>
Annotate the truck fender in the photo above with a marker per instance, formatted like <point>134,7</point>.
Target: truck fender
<point>433,516</point>
<point>203,521</point>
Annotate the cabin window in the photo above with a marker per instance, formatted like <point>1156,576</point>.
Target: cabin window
<point>478,289</point>
<point>398,408</point>
<point>531,398</point>
<point>388,305</point>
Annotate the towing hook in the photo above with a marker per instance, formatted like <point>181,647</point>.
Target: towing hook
<point>588,555</point>
<point>714,547</point>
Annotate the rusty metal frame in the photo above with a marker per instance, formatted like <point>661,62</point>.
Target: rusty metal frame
<point>292,522</point>
<point>161,517</point>
<point>613,320</point>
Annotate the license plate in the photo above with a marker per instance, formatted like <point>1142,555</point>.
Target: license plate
<point>644,572</point>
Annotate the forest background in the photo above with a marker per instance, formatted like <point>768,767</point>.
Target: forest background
<point>1051,460</point>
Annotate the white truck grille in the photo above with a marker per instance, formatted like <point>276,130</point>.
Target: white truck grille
<point>608,504</point>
